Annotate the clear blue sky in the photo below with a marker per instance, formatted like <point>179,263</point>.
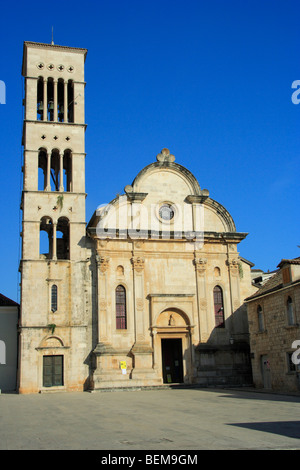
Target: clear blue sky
<point>210,80</point>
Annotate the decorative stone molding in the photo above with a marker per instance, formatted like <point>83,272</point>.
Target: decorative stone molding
<point>139,244</point>
<point>165,156</point>
<point>138,263</point>
<point>102,262</point>
<point>199,199</point>
<point>139,304</point>
<point>200,264</point>
<point>233,265</point>
<point>102,243</point>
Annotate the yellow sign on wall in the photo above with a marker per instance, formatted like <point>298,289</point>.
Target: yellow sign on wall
<point>123,365</point>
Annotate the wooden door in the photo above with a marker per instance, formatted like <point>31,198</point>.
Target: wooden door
<point>266,371</point>
<point>172,360</point>
<point>52,371</point>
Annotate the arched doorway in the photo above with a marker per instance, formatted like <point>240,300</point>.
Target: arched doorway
<point>174,343</point>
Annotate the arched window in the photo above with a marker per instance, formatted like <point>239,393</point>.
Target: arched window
<point>54,298</point>
<point>260,318</point>
<point>46,238</point>
<point>121,321</point>
<point>42,171</point>
<point>60,100</point>
<point>63,238</point>
<point>120,271</point>
<point>70,101</point>
<point>50,99</point>
<point>40,99</point>
<point>219,307</point>
<point>55,170</point>
<point>67,168</point>
<point>290,311</point>
<point>217,272</point>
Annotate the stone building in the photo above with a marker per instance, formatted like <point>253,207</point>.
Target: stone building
<point>273,314</point>
<point>9,316</point>
<point>150,291</point>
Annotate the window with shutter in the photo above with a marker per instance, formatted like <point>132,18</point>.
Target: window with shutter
<point>286,275</point>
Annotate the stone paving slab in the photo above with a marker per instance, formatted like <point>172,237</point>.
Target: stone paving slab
<point>163,420</point>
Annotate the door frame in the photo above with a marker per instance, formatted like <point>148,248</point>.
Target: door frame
<point>164,367</point>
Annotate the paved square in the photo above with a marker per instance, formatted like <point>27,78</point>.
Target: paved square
<point>172,419</point>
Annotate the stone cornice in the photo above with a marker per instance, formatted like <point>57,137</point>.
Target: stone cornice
<point>170,295</point>
<point>220,237</point>
<point>47,123</point>
<point>55,46</point>
<point>199,199</point>
<point>134,197</point>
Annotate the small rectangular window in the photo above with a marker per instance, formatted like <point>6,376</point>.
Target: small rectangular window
<point>290,311</point>
<point>54,298</point>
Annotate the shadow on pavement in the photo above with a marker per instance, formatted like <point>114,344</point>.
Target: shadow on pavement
<point>283,428</point>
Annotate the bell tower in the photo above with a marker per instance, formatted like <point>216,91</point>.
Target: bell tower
<point>53,324</point>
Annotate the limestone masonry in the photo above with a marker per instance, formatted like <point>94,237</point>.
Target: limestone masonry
<point>151,290</point>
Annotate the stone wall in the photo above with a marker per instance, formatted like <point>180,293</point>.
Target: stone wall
<point>274,341</point>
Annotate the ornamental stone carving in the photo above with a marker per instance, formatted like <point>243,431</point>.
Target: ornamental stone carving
<point>138,263</point>
<point>233,265</point>
<point>139,304</point>
<point>165,157</point>
<point>200,264</point>
<point>102,262</point>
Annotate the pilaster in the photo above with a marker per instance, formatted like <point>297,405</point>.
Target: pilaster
<point>142,349</point>
<point>200,269</point>
<point>234,282</point>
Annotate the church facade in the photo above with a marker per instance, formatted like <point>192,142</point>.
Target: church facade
<point>151,291</point>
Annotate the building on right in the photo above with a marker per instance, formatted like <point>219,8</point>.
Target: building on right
<point>274,317</point>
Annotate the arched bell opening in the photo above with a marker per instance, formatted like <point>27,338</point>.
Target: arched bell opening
<point>55,170</point>
<point>63,238</point>
<point>42,170</point>
<point>46,238</point>
<point>50,100</point>
<point>67,170</point>
<point>40,99</point>
<point>70,101</point>
<point>60,100</point>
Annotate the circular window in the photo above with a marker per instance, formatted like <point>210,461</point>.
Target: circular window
<point>166,212</point>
